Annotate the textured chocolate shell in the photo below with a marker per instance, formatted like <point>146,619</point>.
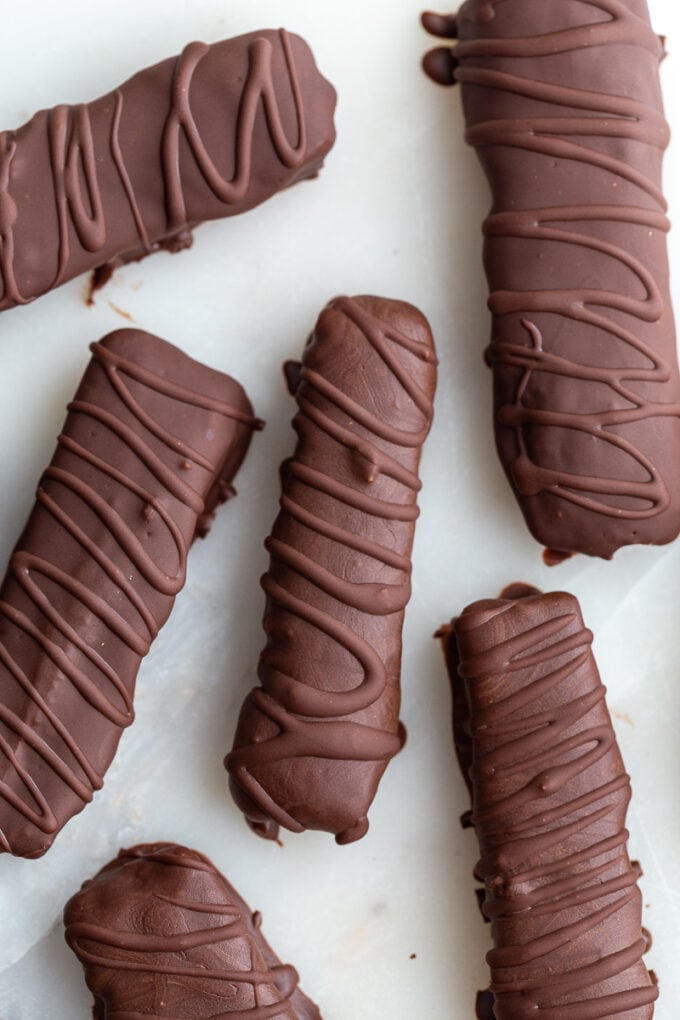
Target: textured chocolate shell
<point>549,801</point>
<point>314,739</point>
<point>161,934</point>
<point>563,104</point>
<point>208,134</point>
<point>150,445</point>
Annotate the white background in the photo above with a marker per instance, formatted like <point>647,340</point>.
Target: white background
<point>396,211</point>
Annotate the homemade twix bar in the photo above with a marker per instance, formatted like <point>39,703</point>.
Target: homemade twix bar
<point>313,741</point>
<point>162,935</point>
<point>563,104</point>
<point>150,446</point>
<point>549,800</point>
<point>208,134</point>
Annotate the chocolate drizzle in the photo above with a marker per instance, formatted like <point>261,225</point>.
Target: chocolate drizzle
<point>340,566</point>
<point>266,124</point>
<point>577,427</point>
<point>258,87</point>
<point>95,574</point>
<point>159,931</point>
<point>549,796</point>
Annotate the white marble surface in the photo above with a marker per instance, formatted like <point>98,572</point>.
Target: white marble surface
<point>396,211</point>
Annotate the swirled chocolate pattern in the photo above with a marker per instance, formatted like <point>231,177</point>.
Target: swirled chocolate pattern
<point>313,741</point>
<point>209,134</point>
<point>549,801</point>
<point>161,934</point>
<point>149,447</point>
<point>563,105</point>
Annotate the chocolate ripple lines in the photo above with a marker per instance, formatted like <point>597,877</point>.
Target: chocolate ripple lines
<point>549,802</point>
<point>563,105</point>
<point>313,741</point>
<point>162,934</point>
<point>209,134</point>
<point>149,447</point>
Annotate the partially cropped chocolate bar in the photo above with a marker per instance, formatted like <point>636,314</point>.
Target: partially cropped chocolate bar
<point>549,801</point>
<point>150,446</point>
<point>162,934</point>
<point>208,134</point>
<point>563,104</point>
<point>314,739</point>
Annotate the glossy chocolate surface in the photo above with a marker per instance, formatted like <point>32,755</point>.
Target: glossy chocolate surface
<point>161,934</point>
<point>549,801</point>
<point>208,134</point>
<point>313,741</point>
<point>563,104</point>
<point>150,446</point>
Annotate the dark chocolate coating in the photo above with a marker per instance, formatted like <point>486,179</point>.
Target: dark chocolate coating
<point>549,800</point>
<point>150,446</point>
<point>563,104</point>
<point>208,134</point>
<point>161,934</point>
<point>313,741</point>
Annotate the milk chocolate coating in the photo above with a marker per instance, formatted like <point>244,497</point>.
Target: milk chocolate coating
<point>563,104</point>
<point>208,134</point>
<point>549,800</point>
<point>150,446</point>
<point>161,934</point>
<point>314,740</point>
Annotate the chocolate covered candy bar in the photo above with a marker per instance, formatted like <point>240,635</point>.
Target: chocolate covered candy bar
<point>208,134</point>
<point>549,801</point>
<point>161,934</point>
<point>313,741</point>
<point>150,446</point>
<point>563,104</point>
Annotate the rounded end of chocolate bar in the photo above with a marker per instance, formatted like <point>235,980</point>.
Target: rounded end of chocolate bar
<point>355,832</point>
<point>440,66</point>
<point>31,848</point>
<point>259,822</point>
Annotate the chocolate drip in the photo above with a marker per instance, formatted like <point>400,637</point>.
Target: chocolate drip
<point>233,123</point>
<point>314,739</point>
<point>160,933</point>
<point>148,442</point>
<point>549,800</point>
<point>587,390</point>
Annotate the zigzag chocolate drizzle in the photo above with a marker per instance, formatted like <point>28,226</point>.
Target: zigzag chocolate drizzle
<point>643,388</point>
<point>99,217</point>
<point>311,721</point>
<point>179,955</point>
<point>54,622</point>
<point>258,87</point>
<point>549,799</point>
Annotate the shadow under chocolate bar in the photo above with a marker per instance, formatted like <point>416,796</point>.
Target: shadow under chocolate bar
<point>563,104</point>
<point>163,917</point>
<point>208,134</point>
<point>150,446</point>
<point>314,740</point>
<point>549,800</point>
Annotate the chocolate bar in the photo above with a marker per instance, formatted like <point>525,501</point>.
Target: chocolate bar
<point>563,104</point>
<point>150,446</point>
<point>162,934</point>
<point>549,801</point>
<point>314,739</point>
<point>211,133</point>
